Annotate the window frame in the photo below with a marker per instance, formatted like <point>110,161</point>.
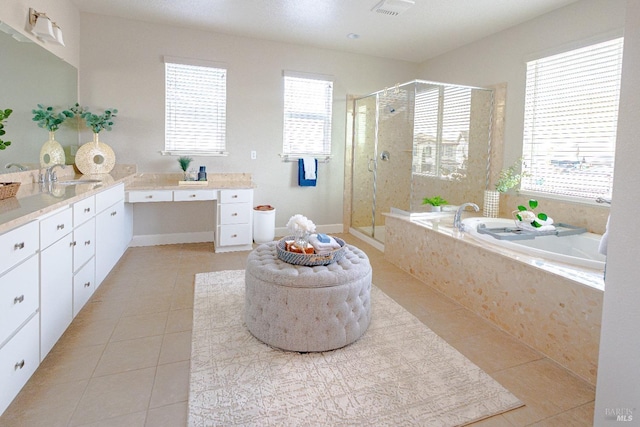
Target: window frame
<point>220,136</point>
<point>581,195</point>
<point>326,117</point>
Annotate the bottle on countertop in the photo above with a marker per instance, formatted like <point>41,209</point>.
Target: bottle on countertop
<point>202,175</point>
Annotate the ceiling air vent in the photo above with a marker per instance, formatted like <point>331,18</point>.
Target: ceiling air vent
<point>393,7</point>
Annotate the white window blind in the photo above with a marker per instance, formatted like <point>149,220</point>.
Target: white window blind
<point>571,115</point>
<point>441,131</point>
<point>307,115</point>
<point>195,108</point>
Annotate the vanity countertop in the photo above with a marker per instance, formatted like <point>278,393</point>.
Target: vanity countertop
<point>169,181</point>
<point>34,199</point>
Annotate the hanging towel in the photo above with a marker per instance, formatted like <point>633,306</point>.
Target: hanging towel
<point>310,165</point>
<point>302,181</point>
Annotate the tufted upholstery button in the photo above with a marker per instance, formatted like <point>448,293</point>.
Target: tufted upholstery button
<point>305,309</point>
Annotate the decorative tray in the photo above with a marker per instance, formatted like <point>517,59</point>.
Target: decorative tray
<point>309,259</point>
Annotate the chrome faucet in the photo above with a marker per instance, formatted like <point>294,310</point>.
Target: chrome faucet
<point>18,165</point>
<point>50,175</point>
<point>457,222</point>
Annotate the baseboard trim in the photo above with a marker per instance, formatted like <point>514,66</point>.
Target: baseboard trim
<point>172,238</point>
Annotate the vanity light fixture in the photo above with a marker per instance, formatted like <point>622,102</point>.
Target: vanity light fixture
<point>43,28</point>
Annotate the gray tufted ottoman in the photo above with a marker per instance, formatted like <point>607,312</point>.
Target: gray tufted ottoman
<point>303,309</point>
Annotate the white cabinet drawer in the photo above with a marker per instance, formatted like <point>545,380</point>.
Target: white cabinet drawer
<point>149,196</point>
<point>193,195</point>
<point>19,297</point>
<point>235,234</point>
<point>83,286</point>
<point>235,213</point>
<point>236,196</point>
<point>84,242</point>
<point>55,226</point>
<point>19,359</point>
<point>83,210</point>
<point>109,197</point>
<point>18,244</point>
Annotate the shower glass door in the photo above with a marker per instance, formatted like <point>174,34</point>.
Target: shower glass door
<point>364,154</point>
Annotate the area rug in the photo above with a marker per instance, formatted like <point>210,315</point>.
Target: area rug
<point>399,373</point>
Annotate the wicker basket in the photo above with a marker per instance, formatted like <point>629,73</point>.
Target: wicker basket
<point>8,189</point>
<point>309,259</point>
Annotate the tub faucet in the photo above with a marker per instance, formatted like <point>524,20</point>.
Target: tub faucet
<point>50,175</point>
<point>18,165</point>
<point>457,222</point>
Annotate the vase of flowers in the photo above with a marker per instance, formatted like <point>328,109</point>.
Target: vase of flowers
<point>51,152</point>
<point>96,157</point>
<point>301,228</point>
<point>507,179</point>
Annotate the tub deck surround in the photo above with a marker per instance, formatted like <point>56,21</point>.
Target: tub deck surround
<point>34,200</point>
<point>533,300</point>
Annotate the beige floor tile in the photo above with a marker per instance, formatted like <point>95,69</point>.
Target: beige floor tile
<point>495,351</point>
<point>115,395</point>
<point>86,332</point>
<point>66,365</point>
<point>171,384</point>
<point>145,325</point>
<point>496,421</point>
<point>136,419</point>
<point>38,405</point>
<point>147,304</point>
<point>455,325</point>
<point>179,320</point>
<point>129,355</point>
<point>174,415</point>
<point>575,417</point>
<point>176,347</point>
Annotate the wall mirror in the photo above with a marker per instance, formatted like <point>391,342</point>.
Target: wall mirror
<point>31,75</point>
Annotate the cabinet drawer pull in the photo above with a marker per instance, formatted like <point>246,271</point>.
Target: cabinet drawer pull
<point>18,246</point>
<point>235,196</point>
<point>234,235</point>
<point>18,300</point>
<point>60,227</point>
<point>19,365</point>
<point>86,285</point>
<point>114,213</point>
<point>149,196</point>
<point>192,195</point>
<point>234,214</point>
<point>72,244</point>
<point>87,242</point>
<point>87,210</point>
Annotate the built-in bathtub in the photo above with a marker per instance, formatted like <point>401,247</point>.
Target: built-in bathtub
<point>579,250</point>
<point>552,306</point>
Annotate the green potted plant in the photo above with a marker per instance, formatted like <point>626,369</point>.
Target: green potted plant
<point>4,114</point>
<point>48,118</point>
<point>184,162</point>
<point>507,179</point>
<point>99,122</point>
<point>436,203</point>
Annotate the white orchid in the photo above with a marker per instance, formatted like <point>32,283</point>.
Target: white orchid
<point>300,223</point>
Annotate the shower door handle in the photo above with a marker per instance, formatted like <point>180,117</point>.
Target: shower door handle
<point>369,165</point>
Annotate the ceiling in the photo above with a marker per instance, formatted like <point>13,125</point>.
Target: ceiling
<point>428,29</point>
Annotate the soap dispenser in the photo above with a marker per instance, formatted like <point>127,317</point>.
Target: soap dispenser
<point>202,175</point>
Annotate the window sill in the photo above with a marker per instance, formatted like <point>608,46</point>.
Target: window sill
<point>194,153</point>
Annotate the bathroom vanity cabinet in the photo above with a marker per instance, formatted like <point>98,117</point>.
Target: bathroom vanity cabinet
<point>49,268</point>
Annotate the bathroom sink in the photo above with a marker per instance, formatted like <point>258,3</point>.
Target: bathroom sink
<point>78,181</point>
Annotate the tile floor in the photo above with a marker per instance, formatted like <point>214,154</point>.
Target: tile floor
<point>124,361</point>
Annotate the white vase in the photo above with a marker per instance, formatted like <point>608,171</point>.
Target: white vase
<point>51,152</point>
<point>95,157</point>
<point>491,208</point>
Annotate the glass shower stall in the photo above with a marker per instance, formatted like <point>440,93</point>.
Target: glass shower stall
<point>416,140</point>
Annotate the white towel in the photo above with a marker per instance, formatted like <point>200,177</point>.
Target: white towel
<point>529,227</point>
<point>309,167</point>
<point>323,248</point>
<point>604,240</point>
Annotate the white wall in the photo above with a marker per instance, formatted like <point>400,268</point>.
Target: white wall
<point>121,66</point>
<point>619,364</point>
<point>501,58</point>
<point>64,13</point>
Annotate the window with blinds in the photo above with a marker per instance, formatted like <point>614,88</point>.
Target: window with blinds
<point>571,115</point>
<point>441,132</point>
<point>307,115</point>
<point>195,108</point>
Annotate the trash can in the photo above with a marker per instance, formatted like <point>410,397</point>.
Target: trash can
<point>264,223</point>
